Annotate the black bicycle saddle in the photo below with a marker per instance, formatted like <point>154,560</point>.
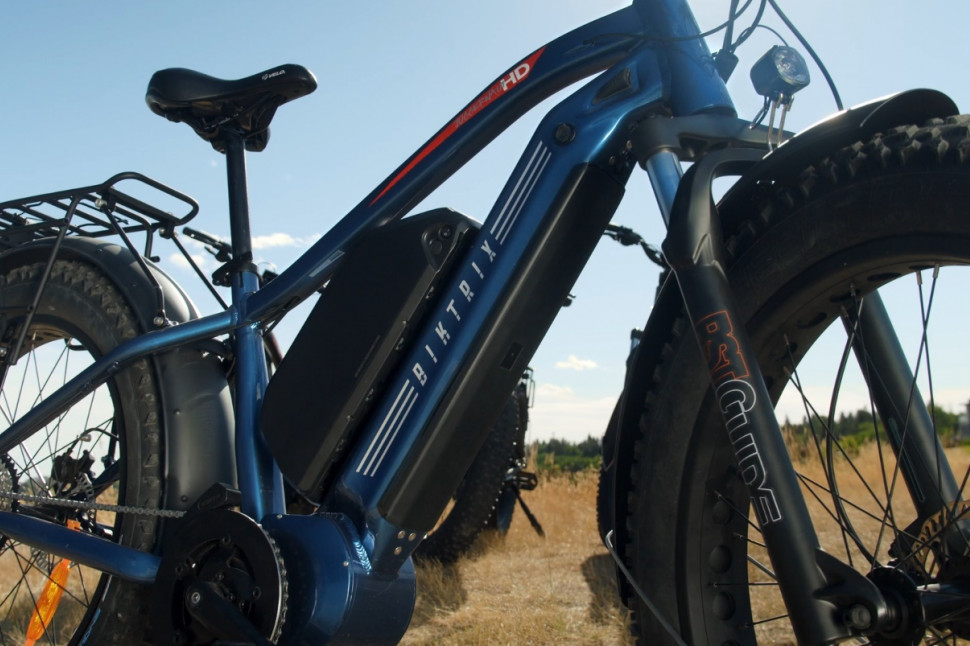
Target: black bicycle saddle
<point>214,106</point>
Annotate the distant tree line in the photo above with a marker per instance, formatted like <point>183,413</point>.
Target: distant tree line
<point>853,430</point>
<point>558,455</point>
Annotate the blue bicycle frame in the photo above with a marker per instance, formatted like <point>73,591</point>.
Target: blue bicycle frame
<point>490,316</point>
<point>589,129</point>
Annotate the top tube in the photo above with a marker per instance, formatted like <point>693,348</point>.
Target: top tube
<point>592,48</point>
<point>580,53</point>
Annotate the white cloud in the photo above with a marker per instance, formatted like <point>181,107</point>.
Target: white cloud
<point>559,412</point>
<point>177,259</point>
<point>577,364</point>
<point>282,240</point>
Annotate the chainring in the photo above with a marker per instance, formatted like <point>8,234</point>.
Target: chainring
<point>230,554</point>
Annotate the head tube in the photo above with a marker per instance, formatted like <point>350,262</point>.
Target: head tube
<point>693,85</point>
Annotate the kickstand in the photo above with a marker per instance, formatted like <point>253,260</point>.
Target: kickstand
<point>528,514</point>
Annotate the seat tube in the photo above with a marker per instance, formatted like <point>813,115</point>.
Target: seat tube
<point>241,238</point>
<point>260,479</point>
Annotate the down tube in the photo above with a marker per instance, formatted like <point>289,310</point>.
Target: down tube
<point>437,408</point>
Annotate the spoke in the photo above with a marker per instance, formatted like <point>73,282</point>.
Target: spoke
<point>28,563</point>
<point>8,414</point>
<point>15,588</point>
<point>856,507</point>
<point>917,543</point>
<point>830,438</point>
<point>737,511</point>
<point>889,487</point>
<point>21,561</point>
<point>939,638</point>
<point>831,441</point>
<point>904,414</point>
<point>30,361</point>
<point>765,621</point>
<point>926,306</point>
<point>764,568</point>
<point>935,535</point>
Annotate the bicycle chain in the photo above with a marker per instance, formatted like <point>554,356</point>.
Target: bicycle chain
<point>96,506</point>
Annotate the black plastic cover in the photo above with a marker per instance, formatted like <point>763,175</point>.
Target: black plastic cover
<point>352,339</point>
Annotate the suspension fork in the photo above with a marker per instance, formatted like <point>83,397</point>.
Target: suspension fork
<point>909,424</point>
<point>818,590</point>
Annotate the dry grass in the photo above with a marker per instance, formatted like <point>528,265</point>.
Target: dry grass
<point>523,589</point>
<point>26,573</point>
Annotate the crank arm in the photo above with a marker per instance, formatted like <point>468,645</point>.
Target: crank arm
<point>210,609</point>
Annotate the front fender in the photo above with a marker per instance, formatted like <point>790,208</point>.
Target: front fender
<point>786,162</point>
<point>842,129</point>
<point>196,404</point>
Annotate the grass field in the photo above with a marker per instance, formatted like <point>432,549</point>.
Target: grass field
<point>524,589</point>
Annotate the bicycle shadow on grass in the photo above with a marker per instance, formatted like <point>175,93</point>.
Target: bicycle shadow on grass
<point>600,573</point>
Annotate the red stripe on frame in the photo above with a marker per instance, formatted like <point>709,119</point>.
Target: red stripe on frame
<point>506,83</point>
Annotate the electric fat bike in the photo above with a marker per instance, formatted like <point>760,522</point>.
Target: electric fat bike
<point>146,446</point>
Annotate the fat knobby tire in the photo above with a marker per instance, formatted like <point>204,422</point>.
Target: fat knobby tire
<point>796,249</point>
<point>81,303</point>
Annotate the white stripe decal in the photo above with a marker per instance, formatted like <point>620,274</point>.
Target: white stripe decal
<point>392,429</point>
<point>523,196</point>
<point>383,424</point>
<point>540,147</point>
<point>542,166</point>
<point>393,436</point>
<point>380,446</point>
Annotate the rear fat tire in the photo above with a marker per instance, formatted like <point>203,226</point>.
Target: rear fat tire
<point>80,310</point>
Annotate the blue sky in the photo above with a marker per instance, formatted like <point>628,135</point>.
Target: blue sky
<point>390,74</point>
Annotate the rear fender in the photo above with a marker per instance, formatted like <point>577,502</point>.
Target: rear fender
<point>196,405</point>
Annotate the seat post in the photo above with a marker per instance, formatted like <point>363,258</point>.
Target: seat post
<point>241,238</point>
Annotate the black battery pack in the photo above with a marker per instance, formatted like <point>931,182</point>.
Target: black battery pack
<point>355,335</point>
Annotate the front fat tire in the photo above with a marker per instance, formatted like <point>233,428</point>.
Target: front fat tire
<point>81,316</point>
<point>873,214</point>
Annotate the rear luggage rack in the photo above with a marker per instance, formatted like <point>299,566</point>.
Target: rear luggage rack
<point>95,211</point>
